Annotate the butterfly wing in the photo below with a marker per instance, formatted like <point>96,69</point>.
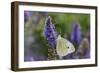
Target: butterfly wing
<point>70,47</point>
<point>64,47</point>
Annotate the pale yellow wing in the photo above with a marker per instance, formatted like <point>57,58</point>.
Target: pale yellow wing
<point>64,47</point>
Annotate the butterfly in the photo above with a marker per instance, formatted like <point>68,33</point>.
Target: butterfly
<point>64,47</point>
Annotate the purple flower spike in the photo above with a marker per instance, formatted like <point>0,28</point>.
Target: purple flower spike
<point>26,15</point>
<point>76,34</point>
<point>49,33</point>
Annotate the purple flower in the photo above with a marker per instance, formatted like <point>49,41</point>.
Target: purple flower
<point>87,54</point>
<point>28,58</point>
<point>34,57</point>
<point>69,56</point>
<point>76,34</point>
<point>49,33</point>
<point>26,15</point>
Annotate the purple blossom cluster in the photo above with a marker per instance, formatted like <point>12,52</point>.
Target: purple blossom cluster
<point>76,34</point>
<point>26,15</point>
<point>49,33</point>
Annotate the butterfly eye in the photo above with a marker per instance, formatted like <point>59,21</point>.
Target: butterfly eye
<point>68,47</point>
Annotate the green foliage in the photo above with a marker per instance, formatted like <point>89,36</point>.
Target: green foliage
<point>63,22</point>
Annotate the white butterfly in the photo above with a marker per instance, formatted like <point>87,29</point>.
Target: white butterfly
<point>64,47</point>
